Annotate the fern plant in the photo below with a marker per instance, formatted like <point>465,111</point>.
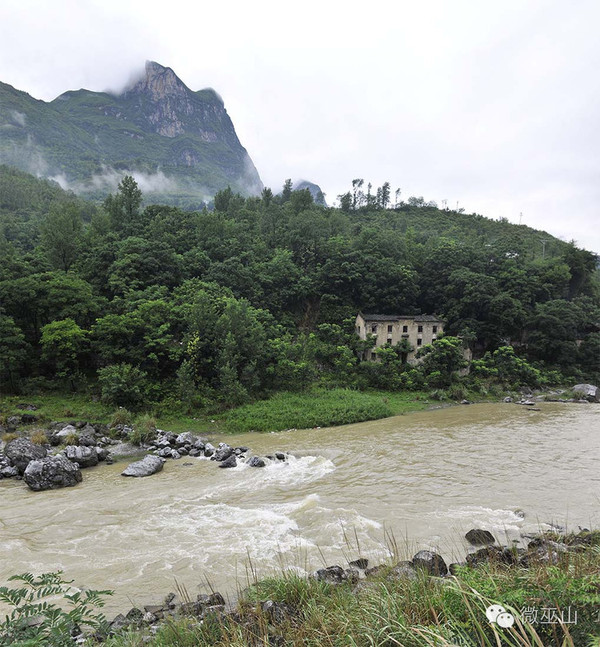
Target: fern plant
<point>48,611</point>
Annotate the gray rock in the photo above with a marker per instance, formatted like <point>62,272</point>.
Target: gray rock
<point>209,449</point>
<point>277,612</point>
<point>59,436</point>
<point>13,421</point>
<point>331,574</point>
<point>403,571</point>
<point>51,473</point>
<point>229,462</point>
<point>588,391</point>
<point>430,562</point>
<point>479,537</point>
<point>361,562</point>
<point>195,452</point>
<point>186,438</point>
<point>255,461</point>
<point>175,455</point>
<point>224,452</point>
<point>102,453</point>
<point>21,451</point>
<point>146,467</point>
<point>83,456</point>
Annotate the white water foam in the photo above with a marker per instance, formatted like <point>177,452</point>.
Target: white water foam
<point>485,518</point>
<point>293,471</point>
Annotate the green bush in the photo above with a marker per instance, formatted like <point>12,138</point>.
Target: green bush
<point>53,624</point>
<point>144,429</point>
<point>123,385</point>
<point>121,416</point>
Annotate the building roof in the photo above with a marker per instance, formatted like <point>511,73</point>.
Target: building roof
<point>419,318</point>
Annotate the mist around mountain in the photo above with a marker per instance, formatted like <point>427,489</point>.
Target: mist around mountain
<point>178,144</point>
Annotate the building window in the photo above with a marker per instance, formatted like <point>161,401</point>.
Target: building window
<point>434,330</point>
<point>358,329</point>
<point>389,341</point>
<point>374,328</point>
<point>404,328</point>
<point>420,329</point>
<point>390,329</point>
<point>419,341</point>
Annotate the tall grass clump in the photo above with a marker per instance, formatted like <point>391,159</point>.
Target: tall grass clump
<point>121,416</point>
<point>144,429</point>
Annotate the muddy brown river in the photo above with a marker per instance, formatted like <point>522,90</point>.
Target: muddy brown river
<point>417,481</point>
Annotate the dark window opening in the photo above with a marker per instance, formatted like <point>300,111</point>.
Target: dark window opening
<point>374,328</point>
<point>419,342</point>
<point>420,329</point>
<point>389,329</point>
<point>434,329</point>
<point>404,328</point>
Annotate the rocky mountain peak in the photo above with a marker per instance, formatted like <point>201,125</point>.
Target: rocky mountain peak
<point>158,83</point>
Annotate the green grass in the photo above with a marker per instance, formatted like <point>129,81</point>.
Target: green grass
<point>57,407</point>
<point>388,612</point>
<point>318,408</point>
<point>315,408</point>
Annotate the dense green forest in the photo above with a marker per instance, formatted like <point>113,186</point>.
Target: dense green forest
<point>147,304</point>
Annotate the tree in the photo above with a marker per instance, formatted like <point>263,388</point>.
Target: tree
<point>61,235</point>
<point>13,351</point>
<point>286,193</point>
<point>124,206</point>
<point>442,360</point>
<point>123,385</point>
<point>63,345</point>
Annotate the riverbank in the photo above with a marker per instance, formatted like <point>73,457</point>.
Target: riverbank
<point>544,595</point>
<point>548,592</point>
<point>316,408</point>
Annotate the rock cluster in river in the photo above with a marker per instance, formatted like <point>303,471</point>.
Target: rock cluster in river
<point>89,444</point>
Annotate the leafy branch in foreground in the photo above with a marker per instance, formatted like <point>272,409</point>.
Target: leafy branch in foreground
<point>36,619</point>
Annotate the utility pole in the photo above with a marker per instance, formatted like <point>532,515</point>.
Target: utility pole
<point>521,218</point>
<point>544,241</point>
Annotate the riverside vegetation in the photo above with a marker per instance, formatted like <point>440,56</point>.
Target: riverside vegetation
<point>193,313</point>
<point>414,603</point>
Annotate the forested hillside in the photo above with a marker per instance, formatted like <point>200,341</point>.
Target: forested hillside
<point>148,304</point>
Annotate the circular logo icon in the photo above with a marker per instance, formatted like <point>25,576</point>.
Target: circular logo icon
<point>493,611</point>
<point>497,614</point>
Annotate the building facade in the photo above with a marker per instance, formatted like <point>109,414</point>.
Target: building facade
<point>418,330</point>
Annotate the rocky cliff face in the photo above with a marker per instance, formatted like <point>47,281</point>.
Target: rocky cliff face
<point>178,143</point>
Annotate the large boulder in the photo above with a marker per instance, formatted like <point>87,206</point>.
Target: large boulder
<point>51,473</point>
<point>479,537</point>
<point>22,451</point>
<point>146,467</point>
<point>430,562</point>
<point>587,391</point>
<point>83,456</point>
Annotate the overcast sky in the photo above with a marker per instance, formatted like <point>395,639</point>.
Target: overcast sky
<point>494,105</point>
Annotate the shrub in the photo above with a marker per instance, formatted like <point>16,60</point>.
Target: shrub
<point>53,625</point>
<point>10,436</point>
<point>39,438</point>
<point>123,385</point>
<point>144,430</point>
<point>121,417</point>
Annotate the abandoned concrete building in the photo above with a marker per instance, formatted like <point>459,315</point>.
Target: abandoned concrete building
<point>418,330</point>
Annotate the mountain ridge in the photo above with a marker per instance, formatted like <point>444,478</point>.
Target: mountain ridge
<point>156,129</point>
